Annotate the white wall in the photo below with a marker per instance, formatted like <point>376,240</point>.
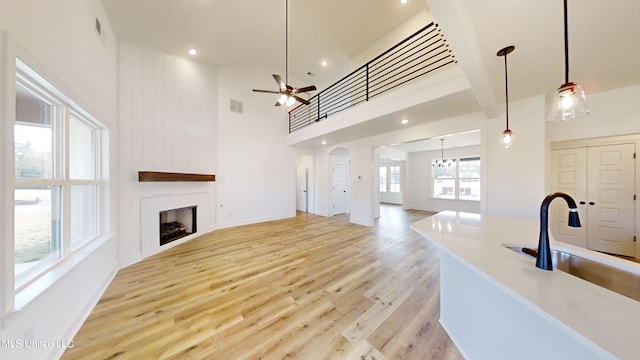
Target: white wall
<point>515,178</point>
<point>256,170</point>
<point>613,112</point>
<point>420,181</point>
<point>415,23</point>
<point>167,123</point>
<point>59,41</point>
<point>518,173</point>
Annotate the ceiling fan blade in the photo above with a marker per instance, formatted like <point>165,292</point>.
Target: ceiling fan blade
<point>281,83</point>
<point>301,100</point>
<point>305,89</point>
<point>267,91</point>
<point>277,103</point>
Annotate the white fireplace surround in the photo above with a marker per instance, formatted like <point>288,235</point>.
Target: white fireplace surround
<point>151,208</point>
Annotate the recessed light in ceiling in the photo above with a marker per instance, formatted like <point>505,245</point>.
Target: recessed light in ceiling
<point>403,1</point>
<point>193,52</point>
<point>324,142</point>
<point>404,121</point>
<point>324,63</point>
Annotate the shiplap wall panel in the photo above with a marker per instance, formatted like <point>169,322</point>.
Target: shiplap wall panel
<point>167,123</point>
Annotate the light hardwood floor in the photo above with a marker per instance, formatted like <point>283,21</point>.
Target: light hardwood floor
<point>309,287</point>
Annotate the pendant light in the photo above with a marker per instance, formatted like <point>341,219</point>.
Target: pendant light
<point>442,162</point>
<point>569,101</point>
<point>506,140</point>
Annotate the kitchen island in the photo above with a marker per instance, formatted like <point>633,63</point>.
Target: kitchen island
<point>495,304</point>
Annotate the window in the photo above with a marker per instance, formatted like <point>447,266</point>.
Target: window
<point>57,180</point>
<point>390,178</point>
<point>394,178</point>
<point>469,178</point>
<point>383,179</point>
<point>458,179</point>
<point>444,179</point>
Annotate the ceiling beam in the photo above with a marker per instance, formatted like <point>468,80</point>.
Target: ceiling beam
<point>453,17</point>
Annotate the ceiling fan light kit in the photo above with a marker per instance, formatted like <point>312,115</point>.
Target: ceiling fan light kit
<point>569,101</point>
<point>288,93</point>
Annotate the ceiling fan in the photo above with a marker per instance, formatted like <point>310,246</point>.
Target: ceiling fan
<point>288,93</point>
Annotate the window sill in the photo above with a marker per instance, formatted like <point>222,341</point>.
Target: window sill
<point>465,200</point>
<point>36,288</point>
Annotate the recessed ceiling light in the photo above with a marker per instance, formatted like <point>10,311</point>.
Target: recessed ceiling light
<point>404,121</point>
<point>403,1</point>
<point>193,52</point>
<point>324,63</point>
<point>324,142</point>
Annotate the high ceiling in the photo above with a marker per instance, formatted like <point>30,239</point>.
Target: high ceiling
<point>236,31</point>
<point>604,49</point>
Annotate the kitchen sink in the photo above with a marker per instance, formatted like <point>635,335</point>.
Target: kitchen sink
<point>610,277</point>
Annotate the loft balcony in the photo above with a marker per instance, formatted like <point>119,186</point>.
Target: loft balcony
<point>419,75</point>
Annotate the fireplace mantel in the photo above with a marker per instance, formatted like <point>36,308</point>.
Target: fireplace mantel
<point>146,176</point>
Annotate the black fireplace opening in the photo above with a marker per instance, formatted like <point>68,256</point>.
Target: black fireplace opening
<point>177,223</point>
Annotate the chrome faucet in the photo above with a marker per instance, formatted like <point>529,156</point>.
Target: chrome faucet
<point>543,260</point>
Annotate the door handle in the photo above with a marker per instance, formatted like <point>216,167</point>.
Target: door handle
<point>591,203</point>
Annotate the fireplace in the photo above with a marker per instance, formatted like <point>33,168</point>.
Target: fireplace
<point>177,223</point>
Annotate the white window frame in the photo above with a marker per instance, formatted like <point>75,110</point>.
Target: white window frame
<point>64,109</point>
<point>387,187</point>
<point>456,178</point>
<point>459,178</point>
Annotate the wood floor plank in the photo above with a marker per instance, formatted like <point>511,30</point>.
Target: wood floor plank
<point>309,287</point>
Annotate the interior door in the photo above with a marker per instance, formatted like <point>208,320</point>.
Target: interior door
<point>601,179</point>
<point>301,186</point>
<point>569,175</point>
<point>611,192</point>
<point>339,189</point>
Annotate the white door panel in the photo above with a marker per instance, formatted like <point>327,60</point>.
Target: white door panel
<point>339,191</point>
<point>611,199</point>
<point>301,186</point>
<point>602,180</point>
<point>570,177</point>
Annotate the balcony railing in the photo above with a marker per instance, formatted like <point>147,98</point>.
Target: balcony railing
<point>419,54</point>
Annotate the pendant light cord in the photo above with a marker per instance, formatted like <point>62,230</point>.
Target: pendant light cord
<point>286,41</point>
<point>506,89</point>
<point>566,45</point>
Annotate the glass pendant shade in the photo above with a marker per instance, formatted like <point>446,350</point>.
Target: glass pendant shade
<point>291,100</point>
<point>282,99</point>
<point>569,102</point>
<point>506,139</point>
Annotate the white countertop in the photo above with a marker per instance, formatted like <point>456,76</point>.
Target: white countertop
<point>608,319</point>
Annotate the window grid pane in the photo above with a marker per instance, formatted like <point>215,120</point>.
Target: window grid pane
<point>394,181</point>
<point>81,150</point>
<point>444,180</point>
<point>36,230</point>
<point>469,181</point>
<point>383,179</point>
<point>84,215</point>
